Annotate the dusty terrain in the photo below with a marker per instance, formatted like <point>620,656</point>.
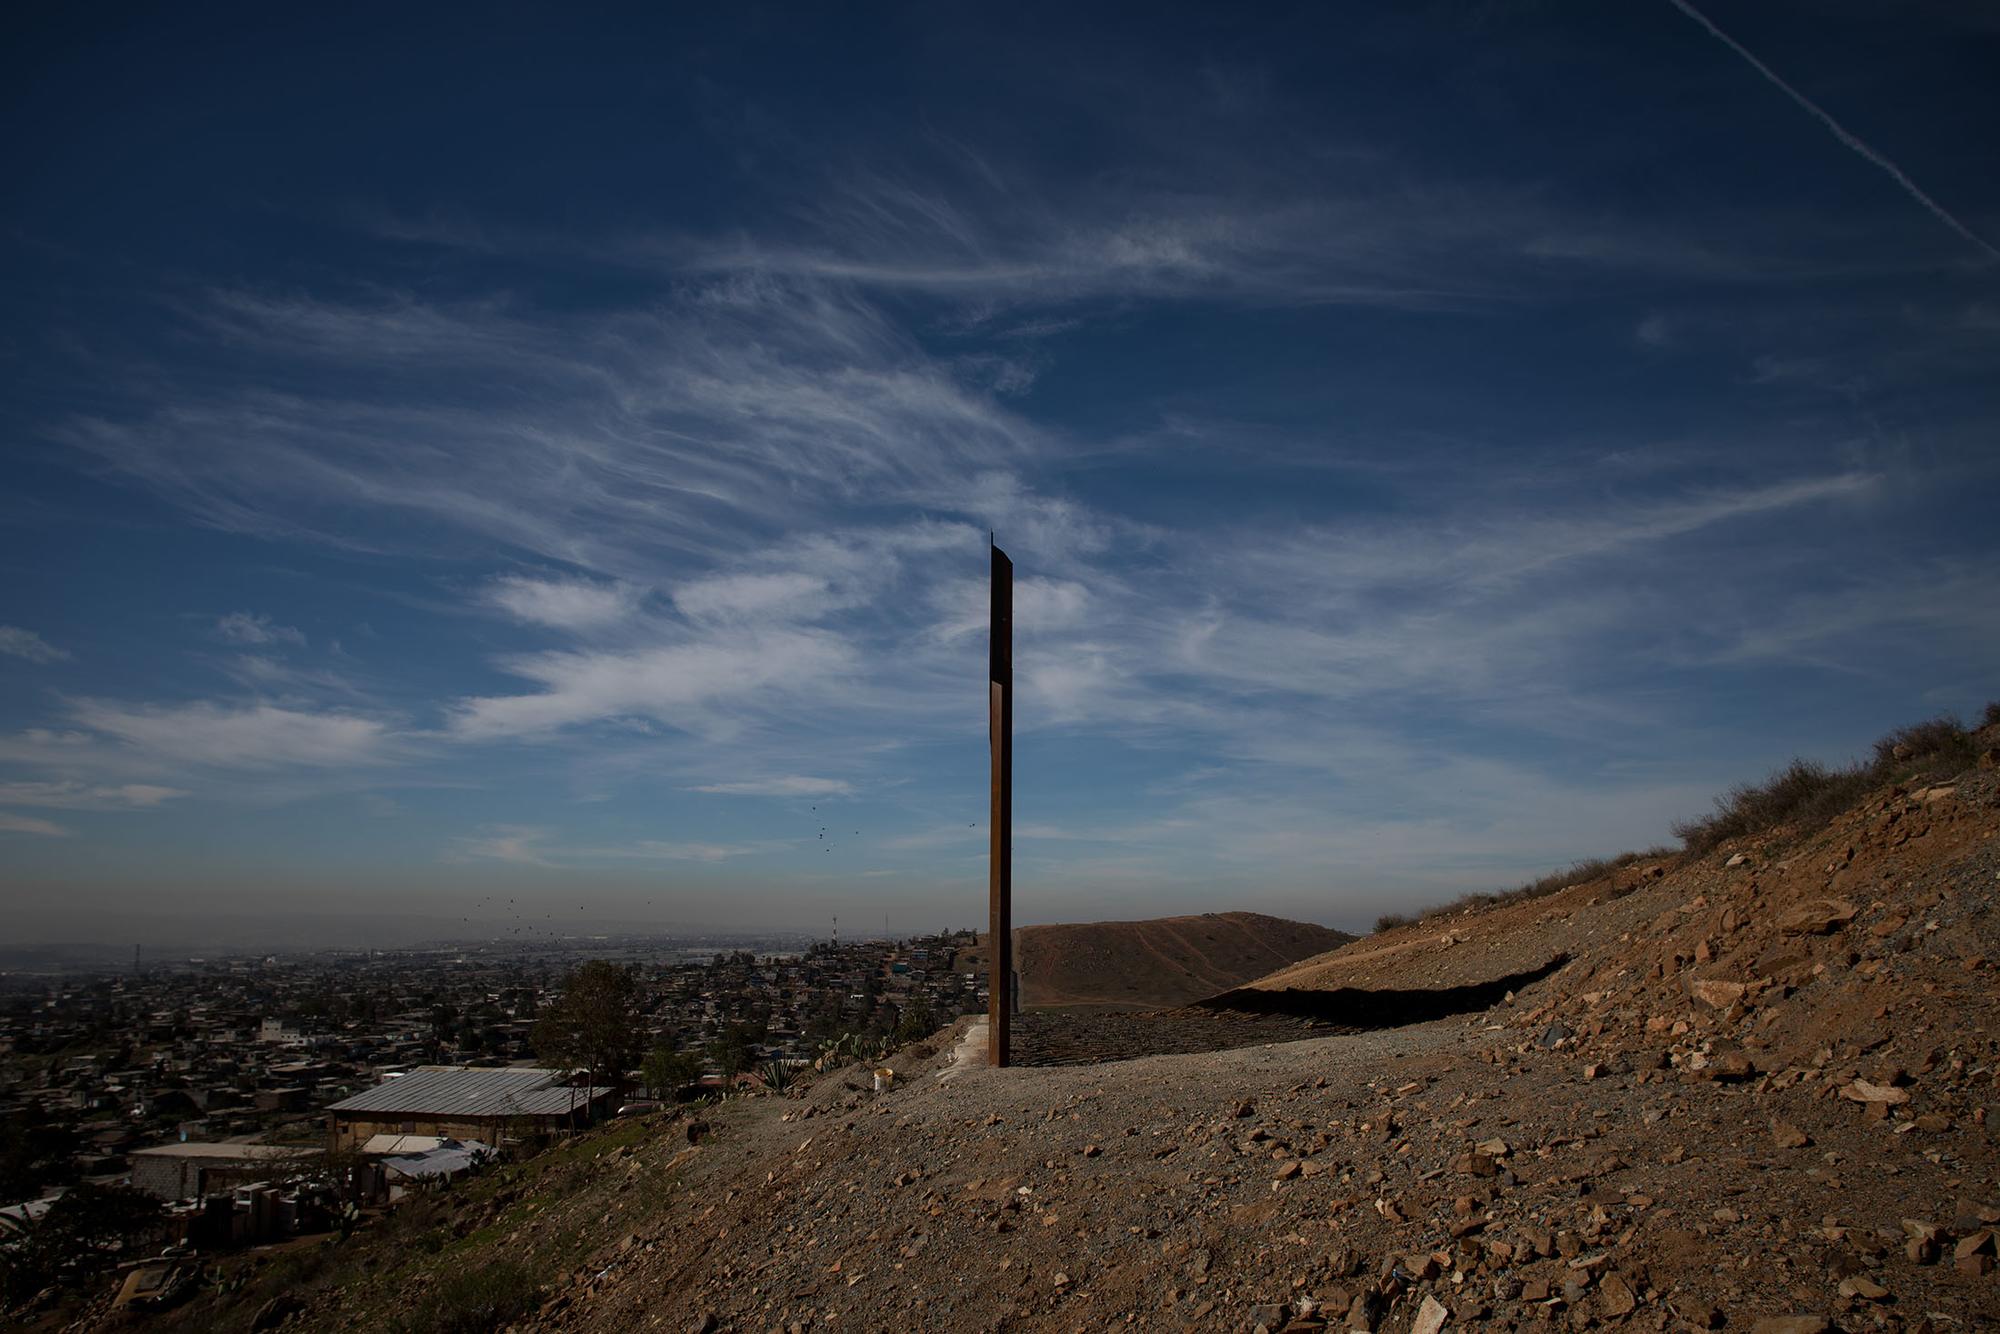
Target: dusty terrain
<point>1759,1093</point>
<point>1755,1093</point>
<point>1159,963</point>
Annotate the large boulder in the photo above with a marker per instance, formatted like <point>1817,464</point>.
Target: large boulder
<point>1817,917</point>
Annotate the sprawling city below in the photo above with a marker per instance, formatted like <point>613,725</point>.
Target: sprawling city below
<point>95,1069</point>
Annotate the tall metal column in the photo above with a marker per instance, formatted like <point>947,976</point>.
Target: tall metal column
<point>1000,859</point>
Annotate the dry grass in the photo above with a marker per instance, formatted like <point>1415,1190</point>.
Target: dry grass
<point>1804,795</point>
<point>1574,874</point>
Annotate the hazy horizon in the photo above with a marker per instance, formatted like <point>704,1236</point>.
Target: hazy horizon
<point>557,454</point>
<point>367,916</point>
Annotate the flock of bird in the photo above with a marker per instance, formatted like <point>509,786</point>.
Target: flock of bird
<point>822,834</point>
<point>523,924</point>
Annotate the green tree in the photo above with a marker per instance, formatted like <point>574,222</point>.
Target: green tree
<point>916,1022</point>
<point>666,1071</point>
<point>730,1051</point>
<point>444,1019</point>
<point>33,1156</point>
<point>88,1229</point>
<point>591,1026</point>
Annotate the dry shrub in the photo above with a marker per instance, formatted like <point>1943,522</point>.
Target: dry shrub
<point>1805,795</point>
<point>1574,874</point>
<point>1940,740</point>
<point>1804,792</point>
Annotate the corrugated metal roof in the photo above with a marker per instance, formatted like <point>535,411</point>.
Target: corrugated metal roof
<point>447,1160</point>
<point>458,1090</point>
<point>385,1144</point>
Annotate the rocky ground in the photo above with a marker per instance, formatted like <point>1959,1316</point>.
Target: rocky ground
<point>1761,1094</point>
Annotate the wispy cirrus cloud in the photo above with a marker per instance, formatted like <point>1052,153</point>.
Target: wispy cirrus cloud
<point>238,736</point>
<point>31,824</point>
<point>1021,253</point>
<point>535,845</point>
<point>692,686</point>
<point>1041,606</point>
<point>753,595</point>
<point>519,844</point>
<point>288,681</point>
<point>748,507</point>
<point>1468,546</point>
<point>1467,603</point>
<point>18,643</point>
<point>255,628</point>
<point>1857,626</point>
<point>1389,504</point>
<point>784,785</point>
<point>86,797</point>
<point>671,850</point>
<point>650,436</point>
<point>564,603</point>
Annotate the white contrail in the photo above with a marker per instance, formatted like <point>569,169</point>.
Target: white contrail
<point>1840,132</point>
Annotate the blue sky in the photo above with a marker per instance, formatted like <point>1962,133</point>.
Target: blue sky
<point>499,451</point>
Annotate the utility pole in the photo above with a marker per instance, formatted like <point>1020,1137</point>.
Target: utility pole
<point>1000,857</point>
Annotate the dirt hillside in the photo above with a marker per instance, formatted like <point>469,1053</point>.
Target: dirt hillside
<point>1160,963</point>
<point>1758,1090</point>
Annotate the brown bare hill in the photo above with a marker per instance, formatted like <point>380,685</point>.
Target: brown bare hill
<point>1159,963</point>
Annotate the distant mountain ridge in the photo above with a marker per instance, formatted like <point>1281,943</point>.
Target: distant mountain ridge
<point>1161,962</point>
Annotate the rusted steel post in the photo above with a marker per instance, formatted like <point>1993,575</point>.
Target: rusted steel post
<point>1000,857</point>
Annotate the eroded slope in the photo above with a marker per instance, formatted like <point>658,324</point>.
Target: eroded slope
<point>1756,1092</point>
<point>1161,962</point>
